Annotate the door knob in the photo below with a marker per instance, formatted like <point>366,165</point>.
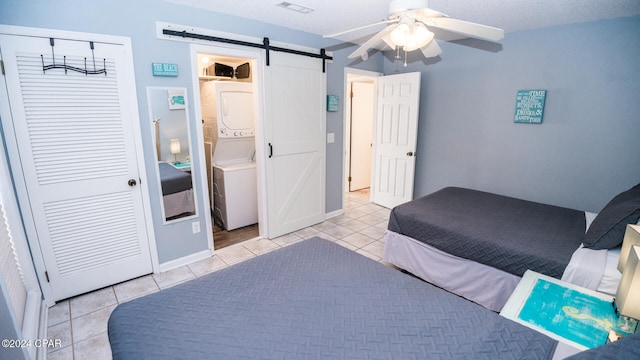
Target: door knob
<point>410,153</point>
<point>132,182</point>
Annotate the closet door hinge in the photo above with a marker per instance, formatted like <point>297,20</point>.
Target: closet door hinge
<point>351,94</point>
<point>46,274</point>
<point>349,179</point>
<point>2,66</point>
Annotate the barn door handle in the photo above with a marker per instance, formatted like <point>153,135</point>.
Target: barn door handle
<point>270,150</point>
<point>132,182</point>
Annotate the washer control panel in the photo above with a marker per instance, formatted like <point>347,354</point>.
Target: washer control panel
<point>224,132</point>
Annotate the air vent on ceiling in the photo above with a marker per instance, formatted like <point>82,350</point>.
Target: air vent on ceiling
<point>295,7</point>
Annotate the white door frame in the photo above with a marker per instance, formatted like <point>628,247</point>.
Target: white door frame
<point>257,82</point>
<point>259,71</point>
<point>33,321</point>
<point>373,75</point>
<point>12,150</point>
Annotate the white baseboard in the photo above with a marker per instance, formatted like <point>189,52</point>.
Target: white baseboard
<point>174,264</point>
<point>189,259</point>
<point>334,214</point>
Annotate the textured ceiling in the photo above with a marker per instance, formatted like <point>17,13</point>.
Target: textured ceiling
<point>330,16</point>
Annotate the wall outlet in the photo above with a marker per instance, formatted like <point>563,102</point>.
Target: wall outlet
<point>195,226</point>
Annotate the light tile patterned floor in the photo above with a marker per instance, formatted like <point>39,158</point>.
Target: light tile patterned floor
<point>81,322</point>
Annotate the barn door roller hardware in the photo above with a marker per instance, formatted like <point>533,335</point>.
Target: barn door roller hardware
<point>265,45</point>
<point>74,68</point>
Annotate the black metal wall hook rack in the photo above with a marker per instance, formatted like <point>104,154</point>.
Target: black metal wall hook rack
<point>74,68</point>
<point>265,45</point>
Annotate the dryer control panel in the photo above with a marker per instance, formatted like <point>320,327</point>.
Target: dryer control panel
<point>235,104</point>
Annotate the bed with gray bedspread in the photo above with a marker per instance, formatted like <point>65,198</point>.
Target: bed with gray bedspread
<point>315,300</point>
<point>173,180</point>
<point>509,234</point>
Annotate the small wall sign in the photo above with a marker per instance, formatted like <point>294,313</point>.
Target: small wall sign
<point>176,100</point>
<point>530,106</point>
<point>332,103</point>
<point>164,69</point>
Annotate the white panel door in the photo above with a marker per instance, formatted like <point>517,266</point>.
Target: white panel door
<point>295,89</point>
<point>361,135</point>
<point>77,158</point>
<point>396,137</point>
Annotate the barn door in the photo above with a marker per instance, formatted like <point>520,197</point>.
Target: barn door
<point>396,137</point>
<point>295,89</point>
<point>73,148</point>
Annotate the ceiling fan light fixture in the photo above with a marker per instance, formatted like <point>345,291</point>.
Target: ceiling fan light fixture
<point>401,34</point>
<point>411,36</point>
<point>420,37</point>
<point>410,25</point>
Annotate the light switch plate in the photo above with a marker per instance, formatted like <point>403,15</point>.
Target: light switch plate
<point>331,138</point>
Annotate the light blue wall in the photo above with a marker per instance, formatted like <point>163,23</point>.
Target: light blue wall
<point>587,149</point>
<point>136,19</point>
<point>583,153</point>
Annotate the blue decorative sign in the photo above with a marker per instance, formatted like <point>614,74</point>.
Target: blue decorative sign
<point>530,106</point>
<point>332,103</point>
<point>164,69</point>
<point>176,100</point>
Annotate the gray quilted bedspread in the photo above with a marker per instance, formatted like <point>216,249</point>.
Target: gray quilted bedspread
<point>173,180</point>
<point>627,348</point>
<point>315,300</point>
<point>509,234</point>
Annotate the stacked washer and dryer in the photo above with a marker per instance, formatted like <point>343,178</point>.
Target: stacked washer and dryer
<point>234,197</point>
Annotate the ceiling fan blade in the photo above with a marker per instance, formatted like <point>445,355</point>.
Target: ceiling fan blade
<point>371,42</point>
<point>387,40</point>
<point>467,28</point>
<point>360,28</point>
<point>431,50</point>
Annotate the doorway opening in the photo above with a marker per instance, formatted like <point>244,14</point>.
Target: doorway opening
<point>227,104</point>
<point>359,131</point>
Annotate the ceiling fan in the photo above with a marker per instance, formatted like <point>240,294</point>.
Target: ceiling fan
<point>413,25</point>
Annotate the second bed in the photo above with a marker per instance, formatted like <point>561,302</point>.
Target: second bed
<point>478,244</point>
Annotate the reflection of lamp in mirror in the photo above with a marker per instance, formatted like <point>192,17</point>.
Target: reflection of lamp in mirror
<point>627,301</point>
<point>174,145</point>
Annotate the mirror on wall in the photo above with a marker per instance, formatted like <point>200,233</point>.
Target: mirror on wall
<point>168,112</point>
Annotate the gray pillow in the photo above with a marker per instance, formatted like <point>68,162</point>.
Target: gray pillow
<point>607,229</point>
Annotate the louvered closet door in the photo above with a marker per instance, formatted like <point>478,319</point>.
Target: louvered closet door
<point>77,153</point>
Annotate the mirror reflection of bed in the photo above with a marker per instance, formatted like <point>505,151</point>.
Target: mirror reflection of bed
<point>228,117</point>
<point>167,108</point>
<point>177,191</point>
